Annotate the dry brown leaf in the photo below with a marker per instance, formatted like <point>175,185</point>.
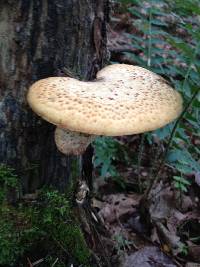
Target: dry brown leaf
<point>148,257</point>
<point>194,252</point>
<point>118,205</point>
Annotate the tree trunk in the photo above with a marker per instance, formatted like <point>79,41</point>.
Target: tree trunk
<point>39,39</point>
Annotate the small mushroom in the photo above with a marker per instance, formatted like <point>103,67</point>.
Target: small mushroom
<point>123,100</point>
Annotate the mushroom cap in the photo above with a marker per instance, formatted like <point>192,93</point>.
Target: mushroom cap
<point>123,100</point>
<point>73,143</point>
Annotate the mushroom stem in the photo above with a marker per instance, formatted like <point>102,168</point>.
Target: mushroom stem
<point>74,143</point>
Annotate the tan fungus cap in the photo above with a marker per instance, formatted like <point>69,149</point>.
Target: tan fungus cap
<point>124,99</point>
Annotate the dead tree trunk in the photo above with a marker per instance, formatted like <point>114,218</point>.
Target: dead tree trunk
<point>39,39</point>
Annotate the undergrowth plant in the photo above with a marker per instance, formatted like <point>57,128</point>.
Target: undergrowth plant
<point>122,244</point>
<point>167,38</point>
<point>172,49</point>
<point>107,151</point>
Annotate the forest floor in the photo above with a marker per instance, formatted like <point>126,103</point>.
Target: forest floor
<point>170,238</point>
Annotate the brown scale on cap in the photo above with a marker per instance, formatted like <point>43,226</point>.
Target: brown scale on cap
<point>124,99</point>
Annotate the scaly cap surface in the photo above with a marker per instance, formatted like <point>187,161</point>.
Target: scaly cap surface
<point>124,99</point>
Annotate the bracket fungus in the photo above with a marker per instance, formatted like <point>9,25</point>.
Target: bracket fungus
<point>122,100</point>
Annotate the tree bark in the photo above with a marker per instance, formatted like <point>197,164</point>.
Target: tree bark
<point>39,39</point>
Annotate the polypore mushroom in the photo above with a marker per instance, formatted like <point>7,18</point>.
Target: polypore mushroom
<point>123,100</point>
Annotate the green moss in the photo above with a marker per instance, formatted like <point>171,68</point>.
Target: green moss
<point>9,241</point>
<point>46,227</point>
<point>72,238</point>
<point>8,182</point>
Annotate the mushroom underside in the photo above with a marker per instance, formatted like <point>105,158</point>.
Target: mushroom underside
<point>74,143</point>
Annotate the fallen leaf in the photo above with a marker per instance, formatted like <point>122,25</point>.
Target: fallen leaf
<point>194,252</point>
<point>117,206</point>
<point>148,257</point>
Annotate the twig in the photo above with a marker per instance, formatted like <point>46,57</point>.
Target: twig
<point>29,262</point>
<point>38,262</point>
<point>54,263</point>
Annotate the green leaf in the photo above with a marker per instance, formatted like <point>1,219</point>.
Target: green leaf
<point>181,180</point>
<point>158,22</point>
